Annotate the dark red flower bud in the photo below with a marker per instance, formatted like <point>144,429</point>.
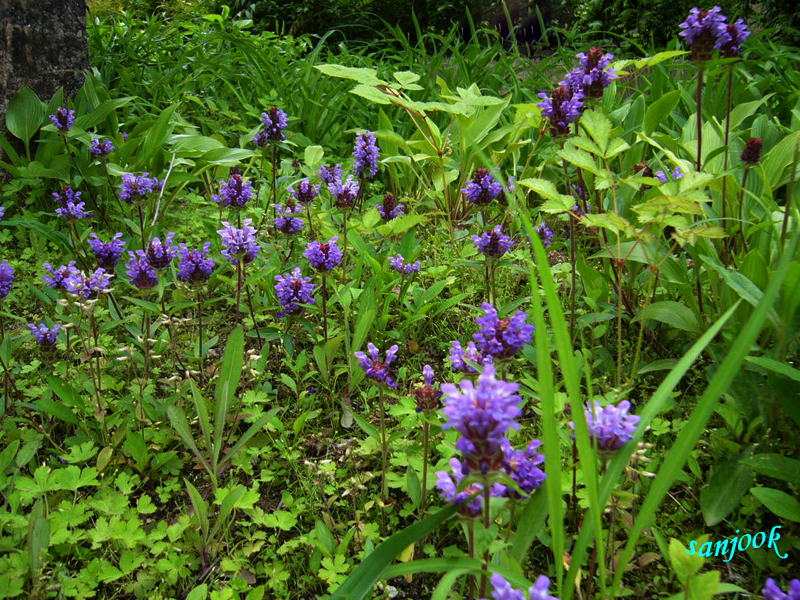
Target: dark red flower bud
<point>752,151</point>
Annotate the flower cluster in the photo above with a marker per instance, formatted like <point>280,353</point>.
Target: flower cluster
<point>738,34</point>
<point>493,243</point>
<point>57,278</point>
<point>161,254</point>
<point>2,212</point>
<point>752,151</point>
<point>676,174</point>
<point>447,486</point>
<point>705,31</point>
<point>611,426</point>
<point>390,209</point>
<point>483,188</point>
<point>285,222</point>
<point>399,264</point>
<point>366,152</point>
<point>330,174</point>
<point>234,193</point>
<point>195,267</point>
<point>239,243</point>
<point>344,193</point>
<point>293,289</point>
<point>502,338</point>
<point>562,107</point>
<point>324,257</point>
<point>523,467</point>
<point>275,121</point>
<point>459,357</point>
<point>141,272</point>
<point>45,337</point>
<point>101,148</point>
<point>63,119</point>
<point>87,285</point>
<point>305,191</point>
<point>502,590</point>
<point>107,253</point>
<point>137,188</point>
<point>427,397</point>
<point>771,590</point>
<point>6,279</point>
<point>545,233</point>
<point>69,205</point>
<point>374,368</point>
<point>594,74</point>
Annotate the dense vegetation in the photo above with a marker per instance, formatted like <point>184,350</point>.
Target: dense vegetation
<point>227,394</point>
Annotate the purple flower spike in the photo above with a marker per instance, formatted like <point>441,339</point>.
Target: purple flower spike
<point>545,233</point>
<point>45,337</point>
<point>367,153</point>
<point>330,174</point>
<point>324,257</point>
<point>375,369</point>
<point>427,373</point>
<point>390,209</point>
<point>137,188</point>
<point>57,278</point>
<point>399,264</point>
<point>483,188</point>
<point>239,243</point>
<point>447,485</point>
<point>2,213</point>
<point>738,34</point>
<point>661,176</point>
<point>704,31</point>
<point>344,192</point>
<point>771,590</point>
<point>458,354</point>
<point>69,205</point>
<point>285,222</point>
<point>141,272</point>
<point>611,427</point>
<point>234,193</point>
<point>161,254</point>
<point>752,151</point>
<point>293,289</point>
<point>305,192</point>
<point>594,74</point>
<point>523,467</point>
<point>101,148</point>
<point>195,267</point>
<point>427,397</point>
<point>107,253</point>
<point>502,338</point>
<point>63,119</point>
<point>562,108</point>
<point>275,121</point>
<point>88,286</point>
<point>493,243</point>
<point>6,279</point>
<point>482,415</point>
<point>502,590</point>
<point>677,173</point>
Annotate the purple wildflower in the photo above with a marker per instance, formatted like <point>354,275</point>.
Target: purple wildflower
<point>136,188</point>
<point>399,264</point>
<point>493,243</point>
<point>305,192</point>
<point>344,192</point>
<point>771,590</point>
<point>367,153</point>
<point>161,254</point>
<point>545,233</point>
<point>57,278</point>
<point>511,185</point>
<point>330,174</point>
<point>275,121</point>
<point>738,34</point>
<point>483,188</point>
<point>69,206</point>
<point>141,272</point>
<point>502,590</point>
<point>285,222</point>
<point>125,136</point>
<point>482,415</point>
<point>2,212</point>
<point>752,151</point>
<point>324,257</point>
<point>562,108</point>
<point>293,289</point>
<point>195,267</point>
<point>6,279</point>
<point>610,426</point>
<point>502,338</point>
<point>593,75</point>
<point>390,209</point>
<point>101,148</point>
<point>234,193</point>
<point>374,368</point>
<point>704,31</point>
<point>458,356</point>
<point>447,486</point>
<point>87,286</point>
<point>63,119</point>
<point>428,397</point>
<point>107,253</point>
<point>677,173</point>
<point>523,467</point>
<point>239,242</point>
<point>45,337</point>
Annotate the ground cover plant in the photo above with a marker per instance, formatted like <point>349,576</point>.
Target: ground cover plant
<point>285,318</point>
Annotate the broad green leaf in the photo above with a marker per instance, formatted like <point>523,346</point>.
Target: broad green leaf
<point>684,565</point>
<point>414,487</point>
<point>704,586</point>
<point>99,114</point>
<point>24,115</point>
<point>660,110</point>
<point>579,158</point>
<point>157,135</point>
<point>672,313</point>
<point>200,507</point>
<point>728,484</point>
<point>775,465</point>
<point>178,419</point>
<point>598,127</point>
<point>226,157</point>
<point>365,76</point>
<point>775,366</point>
<point>780,503</point>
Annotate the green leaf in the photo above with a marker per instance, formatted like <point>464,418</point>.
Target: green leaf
<point>372,94</point>
<point>312,156</point>
<point>57,410</point>
<point>365,76</point>
<point>414,487</point>
<point>598,127</point>
<point>226,157</point>
<point>24,115</point>
<point>780,503</point>
<point>684,564</point>
<point>198,593</point>
<point>530,522</point>
<point>775,366</point>
<point>775,465</point>
<point>324,535</point>
<point>672,313</point>
<point>660,110</point>
<point>365,322</point>
<point>579,158</point>
<point>200,508</point>
<point>406,77</point>
<point>229,375</point>
<point>99,114</point>
<point>247,435</point>
<point>704,586</point>
<point>728,484</point>
<point>178,419</point>
<point>225,509</point>
<point>157,135</point>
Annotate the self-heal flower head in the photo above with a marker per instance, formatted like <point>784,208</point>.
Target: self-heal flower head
<point>482,414</point>
<point>448,483</point>
<point>738,34</point>
<point>69,205</point>
<point>399,264</point>
<point>344,193</point>
<point>161,254</point>
<point>375,369</point>
<point>293,290</point>
<point>752,151</point>
<point>561,108</point>
<point>523,467</point>
<point>427,397</point>
<point>45,337</point>
<point>63,119</point>
<point>285,222</point>
<point>482,188</point>
<point>275,121</point>
<point>610,426</point>
<point>330,174</point>
<point>6,279</point>
<point>458,356</point>
<point>88,286</point>
<point>677,173</point>
<point>366,152</point>
<point>390,209</point>
<point>493,243</point>
<point>502,590</point>
<point>704,31</point>
<point>107,253</point>
<point>141,272</point>
<point>234,193</point>
<point>2,213</point>
<point>195,267</point>
<point>594,74</point>
<point>305,191</point>
<point>57,278</point>
<point>135,188</point>
<point>772,591</point>
<point>324,257</point>
<point>239,243</point>
<point>101,148</point>
<point>502,338</point>
<point>545,233</point>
